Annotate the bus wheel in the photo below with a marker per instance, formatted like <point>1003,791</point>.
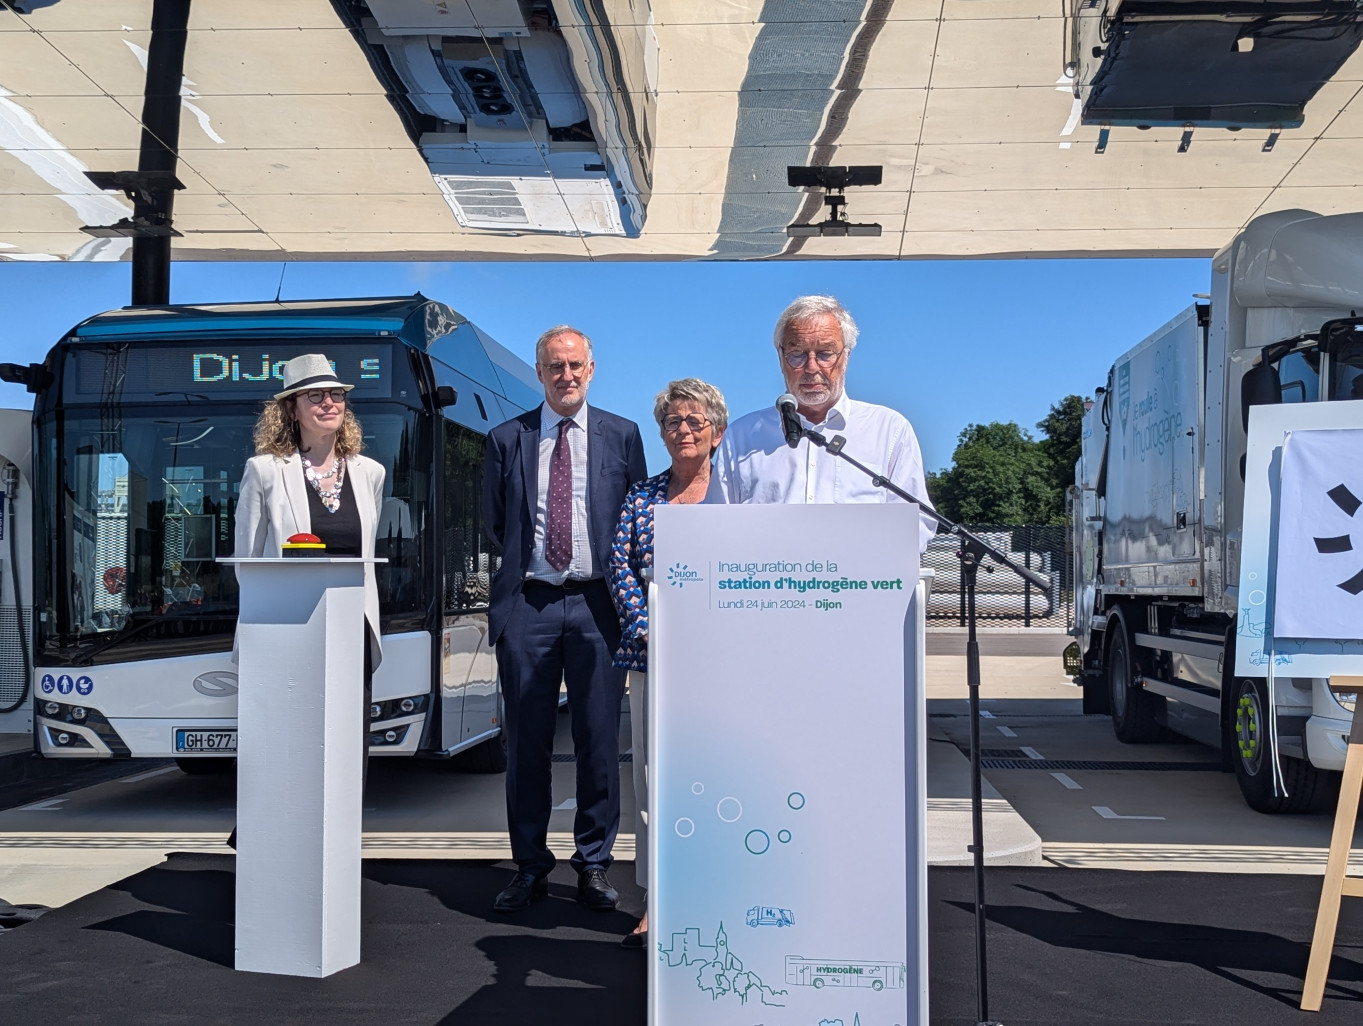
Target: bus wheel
<point>877,985</point>
<point>207,764</point>
<point>1133,708</point>
<point>818,983</point>
<point>1253,763</point>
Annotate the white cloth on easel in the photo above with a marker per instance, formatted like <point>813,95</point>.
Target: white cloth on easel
<point>1319,583</point>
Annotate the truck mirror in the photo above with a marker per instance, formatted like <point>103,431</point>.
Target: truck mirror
<point>1259,387</point>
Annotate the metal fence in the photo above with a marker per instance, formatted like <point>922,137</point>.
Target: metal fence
<point>1003,598</point>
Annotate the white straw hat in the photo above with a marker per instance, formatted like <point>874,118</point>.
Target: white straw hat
<point>311,370</point>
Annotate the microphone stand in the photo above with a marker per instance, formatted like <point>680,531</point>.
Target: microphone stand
<point>972,552</point>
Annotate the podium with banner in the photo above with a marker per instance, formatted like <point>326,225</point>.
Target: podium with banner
<point>787,731</point>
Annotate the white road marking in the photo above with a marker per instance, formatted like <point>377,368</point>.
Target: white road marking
<point>1031,753</point>
<point>567,803</point>
<point>985,714</point>
<point>149,774</point>
<point>1006,731</point>
<point>47,806</point>
<point>1068,781</point>
<point>1107,813</point>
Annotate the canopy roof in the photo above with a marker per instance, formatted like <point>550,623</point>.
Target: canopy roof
<point>654,129</point>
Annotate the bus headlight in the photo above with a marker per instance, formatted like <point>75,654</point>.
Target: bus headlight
<point>51,708</point>
<point>407,705</point>
<point>78,713</point>
<point>375,711</point>
<point>63,738</point>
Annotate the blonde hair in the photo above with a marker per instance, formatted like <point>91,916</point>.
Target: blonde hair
<point>276,431</point>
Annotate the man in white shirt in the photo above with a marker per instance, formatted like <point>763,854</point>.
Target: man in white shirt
<point>814,340</point>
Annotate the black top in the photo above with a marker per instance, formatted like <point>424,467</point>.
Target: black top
<point>339,531</point>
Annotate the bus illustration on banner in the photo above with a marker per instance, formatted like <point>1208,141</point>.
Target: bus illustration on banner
<point>765,915</point>
<point>813,972</point>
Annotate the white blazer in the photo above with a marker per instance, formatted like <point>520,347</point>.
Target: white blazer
<point>273,505</point>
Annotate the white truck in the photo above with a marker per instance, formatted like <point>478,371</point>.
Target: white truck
<point>1158,504</point>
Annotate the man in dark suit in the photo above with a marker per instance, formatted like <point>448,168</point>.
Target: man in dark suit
<point>553,484</point>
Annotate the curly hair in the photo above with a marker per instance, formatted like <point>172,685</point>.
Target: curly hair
<point>276,432</point>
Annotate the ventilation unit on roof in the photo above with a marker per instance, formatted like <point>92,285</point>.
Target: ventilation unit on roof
<point>1207,63</point>
<point>530,118</point>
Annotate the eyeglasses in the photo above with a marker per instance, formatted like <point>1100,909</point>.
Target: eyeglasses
<point>696,424</point>
<point>557,368</point>
<point>316,395</point>
<point>797,358</point>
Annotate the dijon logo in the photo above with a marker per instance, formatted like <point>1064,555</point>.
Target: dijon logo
<point>679,575</point>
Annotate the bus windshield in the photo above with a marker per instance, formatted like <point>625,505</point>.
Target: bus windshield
<point>146,506</point>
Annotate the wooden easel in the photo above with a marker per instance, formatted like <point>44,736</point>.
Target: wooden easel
<point>1337,881</point>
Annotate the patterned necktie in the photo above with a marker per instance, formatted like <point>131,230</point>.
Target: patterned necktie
<point>558,520</point>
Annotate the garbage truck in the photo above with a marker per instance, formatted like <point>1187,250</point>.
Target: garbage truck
<point>1157,506</point>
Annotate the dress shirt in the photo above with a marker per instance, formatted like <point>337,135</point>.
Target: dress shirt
<point>754,464</point>
<point>580,568</point>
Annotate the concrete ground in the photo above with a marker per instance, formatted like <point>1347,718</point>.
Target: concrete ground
<point>1181,815</point>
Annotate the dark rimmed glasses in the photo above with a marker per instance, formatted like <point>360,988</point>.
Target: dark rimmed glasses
<point>693,423</point>
<point>317,395</point>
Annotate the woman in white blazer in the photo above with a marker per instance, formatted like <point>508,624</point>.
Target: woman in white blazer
<point>308,477</point>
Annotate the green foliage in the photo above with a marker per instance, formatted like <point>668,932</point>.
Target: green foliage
<point>1001,475</point>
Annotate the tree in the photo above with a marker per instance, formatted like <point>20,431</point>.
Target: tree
<point>998,475</point>
<point>1063,429</point>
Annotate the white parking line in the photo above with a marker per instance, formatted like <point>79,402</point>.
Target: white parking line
<point>567,803</point>
<point>1107,813</point>
<point>985,714</point>
<point>1031,753</point>
<point>1007,731</point>
<point>150,773</point>
<point>1068,781</point>
<point>47,806</point>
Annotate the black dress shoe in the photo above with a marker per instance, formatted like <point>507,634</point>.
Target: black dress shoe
<point>635,941</point>
<point>524,889</point>
<point>595,891</point>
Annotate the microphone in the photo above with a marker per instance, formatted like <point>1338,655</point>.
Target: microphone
<point>790,420</point>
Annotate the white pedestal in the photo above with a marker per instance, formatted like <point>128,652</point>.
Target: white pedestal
<point>299,713</point>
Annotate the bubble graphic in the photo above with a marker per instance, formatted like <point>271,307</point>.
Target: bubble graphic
<point>729,809</point>
<point>698,788</point>
<point>795,800</point>
<point>784,837</point>
<point>757,841</point>
<point>1256,598</point>
<point>1253,576</point>
<point>685,828</point>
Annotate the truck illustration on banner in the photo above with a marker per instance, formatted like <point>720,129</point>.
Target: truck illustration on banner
<point>765,915</point>
<point>813,972</point>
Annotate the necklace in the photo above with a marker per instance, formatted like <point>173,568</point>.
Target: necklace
<point>331,497</point>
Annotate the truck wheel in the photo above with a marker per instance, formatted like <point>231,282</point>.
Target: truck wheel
<point>1306,785</point>
<point>1133,709</point>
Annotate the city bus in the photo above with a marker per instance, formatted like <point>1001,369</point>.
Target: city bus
<point>142,424</point>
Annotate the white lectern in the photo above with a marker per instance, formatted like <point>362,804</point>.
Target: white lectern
<point>300,637</point>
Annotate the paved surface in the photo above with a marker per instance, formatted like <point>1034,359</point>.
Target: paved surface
<point>1184,816</point>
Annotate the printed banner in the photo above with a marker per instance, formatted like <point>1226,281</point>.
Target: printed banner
<point>788,879</point>
<point>1319,591</point>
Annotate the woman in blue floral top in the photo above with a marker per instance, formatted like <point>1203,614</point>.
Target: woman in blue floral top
<point>692,416</point>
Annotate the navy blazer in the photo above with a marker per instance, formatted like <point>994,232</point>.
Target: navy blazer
<point>615,461</point>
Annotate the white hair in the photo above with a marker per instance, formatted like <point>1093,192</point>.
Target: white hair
<point>555,332</point>
<point>808,307</point>
<point>696,391</point>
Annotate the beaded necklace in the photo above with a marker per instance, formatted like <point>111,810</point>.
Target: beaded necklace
<point>331,497</point>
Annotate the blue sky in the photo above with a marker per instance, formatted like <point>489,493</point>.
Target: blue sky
<point>947,343</point>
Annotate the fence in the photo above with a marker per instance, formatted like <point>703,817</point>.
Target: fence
<point>1003,598</point>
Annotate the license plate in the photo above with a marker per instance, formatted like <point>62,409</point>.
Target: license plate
<point>193,740</point>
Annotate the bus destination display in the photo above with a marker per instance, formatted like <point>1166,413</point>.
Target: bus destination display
<point>145,372</point>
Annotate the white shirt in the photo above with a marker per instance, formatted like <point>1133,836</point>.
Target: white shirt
<point>754,464</point>
<point>581,565</point>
